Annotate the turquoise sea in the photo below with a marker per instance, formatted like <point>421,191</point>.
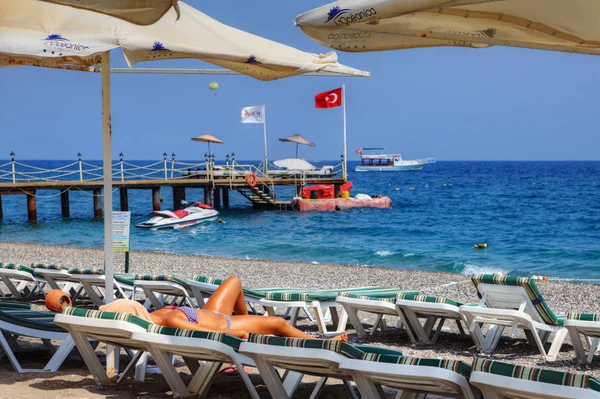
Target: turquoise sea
<point>540,218</point>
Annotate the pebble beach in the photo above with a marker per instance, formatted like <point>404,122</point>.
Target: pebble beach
<point>74,381</point>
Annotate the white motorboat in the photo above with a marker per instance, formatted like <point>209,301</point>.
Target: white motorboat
<point>188,215</point>
<point>374,160</point>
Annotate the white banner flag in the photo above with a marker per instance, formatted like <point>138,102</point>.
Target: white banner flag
<point>254,114</point>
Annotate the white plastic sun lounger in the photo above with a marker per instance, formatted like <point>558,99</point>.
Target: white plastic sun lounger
<point>17,322</point>
<point>20,281</point>
<point>58,278</point>
<point>498,380</point>
<point>513,302</point>
<point>587,326</point>
<point>94,284</point>
<point>159,288</point>
<point>414,377</point>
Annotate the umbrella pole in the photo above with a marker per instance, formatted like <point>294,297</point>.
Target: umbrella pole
<point>296,150</point>
<point>107,169</point>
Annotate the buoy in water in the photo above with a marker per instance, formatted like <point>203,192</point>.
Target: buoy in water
<point>221,221</point>
<point>412,189</point>
<point>396,189</point>
<point>480,246</point>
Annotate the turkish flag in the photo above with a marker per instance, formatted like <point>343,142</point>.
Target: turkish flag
<point>329,99</point>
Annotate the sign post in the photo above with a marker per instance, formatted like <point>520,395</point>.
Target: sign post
<point>121,221</point>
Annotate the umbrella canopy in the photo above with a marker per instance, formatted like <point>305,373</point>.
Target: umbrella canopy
<point>208,138</point>
<point>141,12</point>
<point>296,138</point>
<point>39,33</point>
<point>294,164</point>
<point>371,25</point>
<point>52,34</point>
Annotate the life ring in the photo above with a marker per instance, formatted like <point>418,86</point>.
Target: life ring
<point>251,179</point>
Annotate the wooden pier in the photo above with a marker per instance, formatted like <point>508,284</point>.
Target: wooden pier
<point>217,181</point>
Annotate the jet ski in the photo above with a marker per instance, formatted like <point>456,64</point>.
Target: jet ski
<point>190,214</point>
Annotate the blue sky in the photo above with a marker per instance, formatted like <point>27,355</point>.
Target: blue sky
<point>452,103</point>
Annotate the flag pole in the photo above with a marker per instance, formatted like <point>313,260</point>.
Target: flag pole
<point>344,166</point>
<point>265,136</point>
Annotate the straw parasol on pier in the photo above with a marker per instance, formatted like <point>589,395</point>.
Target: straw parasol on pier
<point>208,138</point>
<point>298,139</point>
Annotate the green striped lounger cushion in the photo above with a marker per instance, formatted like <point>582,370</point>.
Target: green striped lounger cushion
<point>42,321</point>
<point>19,268</point>
<point>536,374</point>
<point>330,295</point>
<point>97,314</point>
<point>161,277</point>
<point>82,270</point>
<point>426,298</point>
<point>530,287</point>
<point>50,267</point>
<point>6,305</point>
<point>348,350</point>
<point>177,332</point>
<point>457,366</point>
<point>390,299</point>
<point>583,316</point>
<point>208,280</point>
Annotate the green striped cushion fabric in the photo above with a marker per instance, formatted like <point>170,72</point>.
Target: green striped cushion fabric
<point>42,321</point>
<point>81,270</point>
<point>366,298</point>
<point>19,268</point>
<point>536,374</point>
<point>177,332</point>
<point>5,305</point>
<point>369,353</point>
<point>426,298</point>
<point>530,287</point>
<point>583,316</point>
<point>330,295</point>
<point>161,277</point>
<point>97,314</point>
<point>457,366</point>
<point>49,267</point>
<point>208,280</point>
<point>123,278</point>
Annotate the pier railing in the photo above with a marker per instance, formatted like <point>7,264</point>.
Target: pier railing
<point>165,169</point>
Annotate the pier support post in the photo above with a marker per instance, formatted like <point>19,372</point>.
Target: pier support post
<point>124,199</point>
<point>1,216</point>
<point>207,196</point>
<point>156,199</point>
<point>178,196</point>
<point>336,191</point>
<point>97,203</point>
<point>226,197</point>
<point>31,206</point>
<point>217,198</point>
<point>64,204</point>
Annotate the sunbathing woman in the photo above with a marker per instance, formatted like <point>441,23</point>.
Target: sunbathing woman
<point>224,312</point>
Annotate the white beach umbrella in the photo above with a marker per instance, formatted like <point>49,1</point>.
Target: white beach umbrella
<point>52,34</point>
<point>372,25</point>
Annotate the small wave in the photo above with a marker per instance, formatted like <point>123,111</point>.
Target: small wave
<point>409,255</point>
<point>384,253</point>
<point>314,262</point>
<point>469,268</point>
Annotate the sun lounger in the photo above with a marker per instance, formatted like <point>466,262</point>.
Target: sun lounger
<point>58,278</point>
<point>158,288</point>
<point>16,320</point>
<point>588,326</point>
<point>413,376</point>
<point>498,380</point>
<point>20,281</point>
<point>213,349</point>
<point>94,284</point>
<point>515,302</point>
<point>304,356</point>
<point>131,332</point>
